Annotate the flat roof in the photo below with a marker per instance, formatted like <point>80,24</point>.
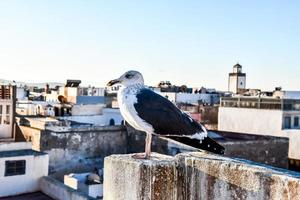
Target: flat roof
<point>30,196</point>
<point>16,153</point>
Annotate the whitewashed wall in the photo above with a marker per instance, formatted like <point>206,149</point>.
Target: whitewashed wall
<point>232,84</point>
<point>169,95</point>
<point>36,167</point>
<point>193,98</point>
<point>255,121</point>
<point>294,143</point>
<point>21,94</point>
<point>99,120</point>
<point>89,109</point>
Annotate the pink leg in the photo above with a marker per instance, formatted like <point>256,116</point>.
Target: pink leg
<point>147,154</point>
<point>148,145</point>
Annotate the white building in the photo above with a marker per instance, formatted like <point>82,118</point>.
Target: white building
<point>192,98</point>
<point>82,95</point>
<point>36,108</point>
<point>107,116</point>
<point>7,110</point>
<point>22,93</point>
<point>237,79</point>
<point>21,168</point>
<point>263,116</point>
<point>286,94</point>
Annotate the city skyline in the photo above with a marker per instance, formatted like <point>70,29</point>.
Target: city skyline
<point>194,43</point>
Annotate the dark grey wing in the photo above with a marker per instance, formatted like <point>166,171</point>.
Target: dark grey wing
<point>163,115</point>
<point>168,120</point>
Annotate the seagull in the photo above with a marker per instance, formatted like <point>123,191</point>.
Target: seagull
<point>147,111</point>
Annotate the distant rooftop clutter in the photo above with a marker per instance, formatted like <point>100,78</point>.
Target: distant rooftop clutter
<point>73,83</point>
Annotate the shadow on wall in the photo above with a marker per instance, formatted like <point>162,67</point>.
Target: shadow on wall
<point>136,144</point>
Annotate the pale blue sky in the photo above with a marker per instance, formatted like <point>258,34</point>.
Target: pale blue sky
<point>186,42</point>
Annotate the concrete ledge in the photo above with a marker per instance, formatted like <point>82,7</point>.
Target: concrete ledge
<point>57,190</point>
<point>193,176</point>
<point>132,179</point>
<point>206,176</point>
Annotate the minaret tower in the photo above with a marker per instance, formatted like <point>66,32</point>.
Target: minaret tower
<point>237,79</point>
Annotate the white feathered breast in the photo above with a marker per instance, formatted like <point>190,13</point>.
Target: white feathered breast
<point>126,100</point>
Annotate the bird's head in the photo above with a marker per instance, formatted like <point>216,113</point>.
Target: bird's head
<point>129,78</point>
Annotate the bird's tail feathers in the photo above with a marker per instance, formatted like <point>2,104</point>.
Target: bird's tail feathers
<point>207,143</point>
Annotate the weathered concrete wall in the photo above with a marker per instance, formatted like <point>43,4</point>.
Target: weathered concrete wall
<point>79,150</point>
<point>274,153</point>
<point>196,176</point>
<point>57,190</point>
<point>132,179</point>
<point>271,150</point>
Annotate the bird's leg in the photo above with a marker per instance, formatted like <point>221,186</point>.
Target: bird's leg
<point>147,148</point>
<point>148,145</point>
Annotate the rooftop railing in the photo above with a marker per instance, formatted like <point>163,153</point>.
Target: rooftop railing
<point>261,103</point>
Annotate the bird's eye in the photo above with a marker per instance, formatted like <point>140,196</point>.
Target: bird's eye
<point>128,76</point>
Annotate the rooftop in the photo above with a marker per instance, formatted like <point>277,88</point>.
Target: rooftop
<point>30,196</point>
<point>15,153</point>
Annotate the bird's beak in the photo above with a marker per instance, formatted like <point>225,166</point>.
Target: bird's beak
<point>113,82</point>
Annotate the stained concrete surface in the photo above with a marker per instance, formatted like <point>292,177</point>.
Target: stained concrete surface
<point>196,176</point>
<point>132,179</point>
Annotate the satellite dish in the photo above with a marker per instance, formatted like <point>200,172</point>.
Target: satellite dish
<point>62,99</point>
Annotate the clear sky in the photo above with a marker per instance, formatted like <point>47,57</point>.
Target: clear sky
<point>186,42</point>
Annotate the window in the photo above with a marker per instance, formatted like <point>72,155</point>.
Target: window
<point>7,109</point>
<point>15,167</point>
<point>287,122</point>
<point>111,122</point>
<point>7,120</point>
<point>296,121</point>
<point>0,114</point>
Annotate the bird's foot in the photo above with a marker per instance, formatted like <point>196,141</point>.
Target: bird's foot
<point>141,156</point>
